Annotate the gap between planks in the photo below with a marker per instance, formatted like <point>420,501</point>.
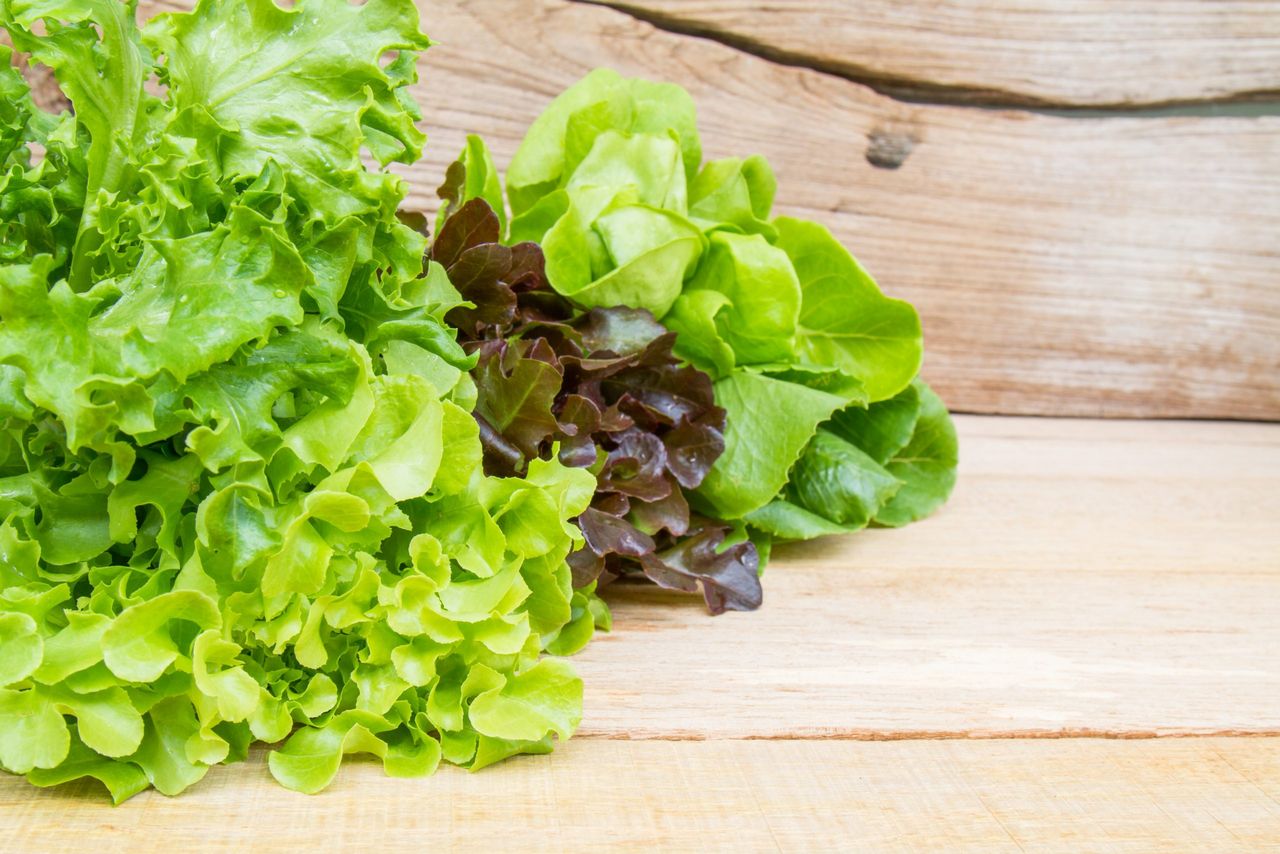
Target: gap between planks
<point>897,87</point>
<point>899,57</point>
<point>945,735</point>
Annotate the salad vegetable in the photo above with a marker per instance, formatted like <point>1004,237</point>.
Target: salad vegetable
<point>598,389</point>
<point>829,427</point>
<point>276,468</point>
<point>241,491</point>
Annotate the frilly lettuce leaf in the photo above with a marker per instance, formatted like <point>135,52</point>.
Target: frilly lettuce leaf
<point>241,491</point>
<point>216,58</point>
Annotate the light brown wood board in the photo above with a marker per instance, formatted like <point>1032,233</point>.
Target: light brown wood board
<point>1086,578</point>
<point>1062,266</point>
<point>1053,53</point>
<point>1079,795</point>
<point>990,678</point>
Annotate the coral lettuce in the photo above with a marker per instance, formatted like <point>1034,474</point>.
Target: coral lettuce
<point>241,491</point>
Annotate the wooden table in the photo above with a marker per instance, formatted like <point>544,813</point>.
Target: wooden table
<point>1080,652</point>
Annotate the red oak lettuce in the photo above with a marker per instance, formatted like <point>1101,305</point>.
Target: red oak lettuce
<point>598,389</point>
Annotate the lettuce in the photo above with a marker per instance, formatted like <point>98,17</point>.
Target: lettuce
<point>598,389</point>
<point>816,368</point>
<point>241,490</point>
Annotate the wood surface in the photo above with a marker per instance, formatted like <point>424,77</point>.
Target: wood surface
<point>1062,266</point>
<point>1083,53</point>
<point>986,797</point>
<point>1101,578</point>
<point>987,680</point>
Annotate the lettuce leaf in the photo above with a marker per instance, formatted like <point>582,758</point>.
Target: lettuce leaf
<point>925,465</point>
<point>241,490</point>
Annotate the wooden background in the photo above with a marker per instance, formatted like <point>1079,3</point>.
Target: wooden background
<point>1079,652</point>
<point>1116,265</point>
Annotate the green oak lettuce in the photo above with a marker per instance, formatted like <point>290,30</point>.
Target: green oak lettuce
<point>241,491</point>
<point>829,427</point>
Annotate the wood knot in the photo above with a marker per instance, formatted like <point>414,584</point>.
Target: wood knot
<point>887,149</point>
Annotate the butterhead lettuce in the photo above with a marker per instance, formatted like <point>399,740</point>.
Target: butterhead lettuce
<point>829,426</point>
<point>241,491</point>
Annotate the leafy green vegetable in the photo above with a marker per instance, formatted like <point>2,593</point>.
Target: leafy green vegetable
<point>925,465</point>
<point>815,367</point>
<point>770,423</point>
<point>241,491</point>
<point>597,389</point>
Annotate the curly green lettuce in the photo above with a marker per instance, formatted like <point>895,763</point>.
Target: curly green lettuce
<point>829,426</point>
<point>241,490</point>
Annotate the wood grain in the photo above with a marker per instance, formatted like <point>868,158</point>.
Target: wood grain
<point>1104,578</point>
<point>1052,796</point>
<point>1106,267</point>
<point>1083,53</point>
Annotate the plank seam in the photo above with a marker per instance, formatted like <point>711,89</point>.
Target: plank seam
<point>944,735</point>
<point>919,91</point>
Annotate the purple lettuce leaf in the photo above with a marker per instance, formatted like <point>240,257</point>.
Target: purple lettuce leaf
<point>603,389</point>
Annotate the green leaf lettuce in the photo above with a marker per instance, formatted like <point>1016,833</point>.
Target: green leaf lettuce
<point>241,490</point>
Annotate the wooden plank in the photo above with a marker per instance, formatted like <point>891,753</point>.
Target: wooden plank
<point>1086,578</point>
<point>1106,267</point>
<point>1060,795</point>
<point>1082,53</point>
